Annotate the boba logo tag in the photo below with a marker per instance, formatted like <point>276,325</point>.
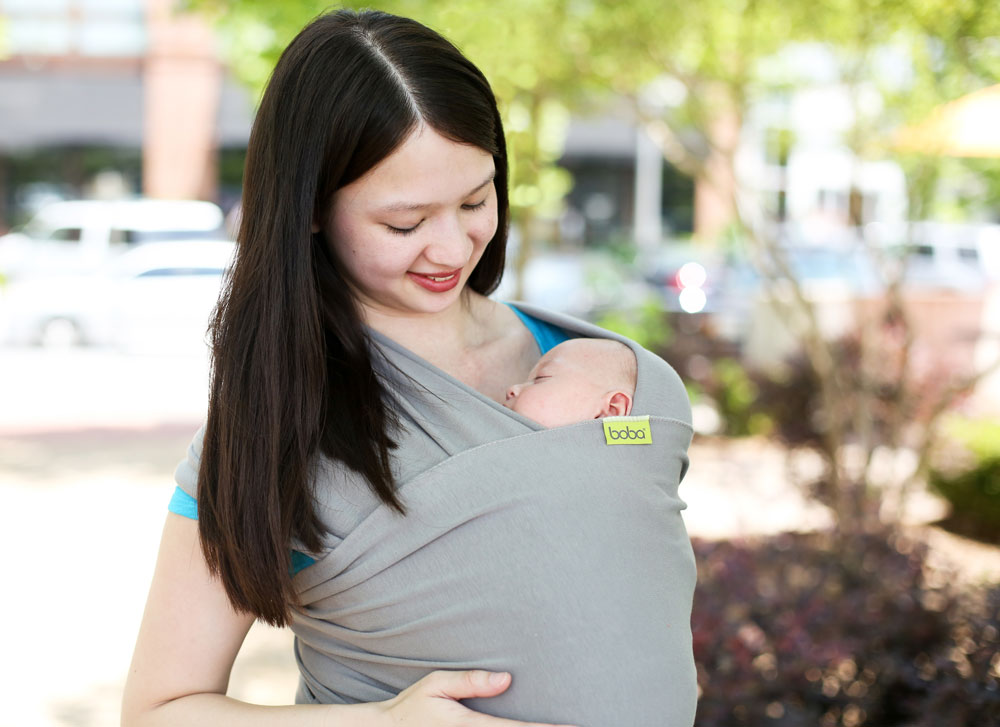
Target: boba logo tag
<point>627,430</point>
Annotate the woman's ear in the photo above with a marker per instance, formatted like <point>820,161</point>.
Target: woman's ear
<point>616,404</point>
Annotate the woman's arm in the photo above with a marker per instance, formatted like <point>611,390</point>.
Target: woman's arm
<point>190,636</point>
<point>188,640</point>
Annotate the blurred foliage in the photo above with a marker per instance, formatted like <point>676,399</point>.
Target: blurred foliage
<point>791,397</point>
<point>980,436</point>
<point>535,79</point>
<point>952,189</point>
<point>974,496</point>
<point>684,67</point>
<point>882,404</point>
<point>979,198</point>
<point>785,401</point>
<point>816,630</point>
<point>621,248</point>
<point>968,476</point>
<point>691,66</point>
<point>735,396</point>
<point>645,324</point>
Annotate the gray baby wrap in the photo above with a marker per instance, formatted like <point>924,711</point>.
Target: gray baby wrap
<point>543,552</point>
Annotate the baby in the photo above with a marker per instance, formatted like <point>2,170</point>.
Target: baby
<point>580,379</point>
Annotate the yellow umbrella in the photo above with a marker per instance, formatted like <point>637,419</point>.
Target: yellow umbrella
<point>966,127</point>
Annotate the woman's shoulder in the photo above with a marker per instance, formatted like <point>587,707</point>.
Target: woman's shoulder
<point>186,473</point>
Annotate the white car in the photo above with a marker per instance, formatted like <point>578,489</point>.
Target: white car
<point>156,298</point>
<point>958,258</point>
<point>165,293</point>
<point>81,236</point>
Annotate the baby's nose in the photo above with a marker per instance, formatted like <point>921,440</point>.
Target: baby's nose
<point>513,391</point>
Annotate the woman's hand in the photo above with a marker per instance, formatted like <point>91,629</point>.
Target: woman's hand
<point>434,701</point>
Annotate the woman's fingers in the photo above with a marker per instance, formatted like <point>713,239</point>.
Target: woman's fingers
<point>434,700</point>
<point>465,684</point>
<point>474,683</point>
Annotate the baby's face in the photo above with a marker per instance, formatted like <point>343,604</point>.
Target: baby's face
<point>569,384</point>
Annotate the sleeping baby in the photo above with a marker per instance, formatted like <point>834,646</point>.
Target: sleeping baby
<point>580,379</point>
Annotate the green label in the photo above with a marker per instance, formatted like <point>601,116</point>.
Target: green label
<point>627,430</point>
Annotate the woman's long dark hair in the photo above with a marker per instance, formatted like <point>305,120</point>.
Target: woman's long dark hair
<point>292,373</point>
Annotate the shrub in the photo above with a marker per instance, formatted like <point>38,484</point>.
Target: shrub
<point>972,486</point>
<point>808,630</point>
<point>974,496</point>
<point>786,401</point>
<point>646,323</point>
<point>735,394</point>
<point>980,436</point>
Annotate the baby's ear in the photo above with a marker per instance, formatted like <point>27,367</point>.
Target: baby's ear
<point>616,404</point>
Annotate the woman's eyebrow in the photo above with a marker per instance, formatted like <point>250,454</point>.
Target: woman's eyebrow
<point>412,206</point>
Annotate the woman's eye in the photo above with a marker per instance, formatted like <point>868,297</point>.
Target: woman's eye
<point>475,206</point>
<point>403,230</point>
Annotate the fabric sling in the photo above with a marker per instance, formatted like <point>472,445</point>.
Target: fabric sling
<point>547,553</point>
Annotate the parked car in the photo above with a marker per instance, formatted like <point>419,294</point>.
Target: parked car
<point>943,256</point>
<point>687,277</point>
<point>156,298</point>
<point>165,294</point>
<point>80,236</point>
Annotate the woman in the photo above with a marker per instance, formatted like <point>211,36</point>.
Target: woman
<point>354,351</point>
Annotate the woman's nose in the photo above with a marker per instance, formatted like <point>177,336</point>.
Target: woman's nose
<point>451,247</point>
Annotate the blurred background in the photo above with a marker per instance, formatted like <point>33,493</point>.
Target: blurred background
<point>797,204</point>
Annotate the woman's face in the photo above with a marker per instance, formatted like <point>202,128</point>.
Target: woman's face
<point>410,231</point>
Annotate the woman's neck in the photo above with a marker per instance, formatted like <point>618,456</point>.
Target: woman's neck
<point>477,340</point>
<point>455,331</point>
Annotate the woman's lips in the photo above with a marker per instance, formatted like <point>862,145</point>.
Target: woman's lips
<point>437,282</point>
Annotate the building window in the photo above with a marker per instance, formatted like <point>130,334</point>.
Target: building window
<point>99,28</point>
<point>111,38</point>
<point>38,36</point>
<point>34,7</point>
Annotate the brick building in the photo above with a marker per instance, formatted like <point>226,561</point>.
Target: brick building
<point>109,97</point>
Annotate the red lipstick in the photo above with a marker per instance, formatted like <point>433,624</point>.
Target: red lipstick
<point>438,282</point>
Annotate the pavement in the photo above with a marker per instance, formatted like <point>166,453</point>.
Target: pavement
<point>88,443</point>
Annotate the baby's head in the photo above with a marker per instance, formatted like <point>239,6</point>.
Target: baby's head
<point>580,379</point>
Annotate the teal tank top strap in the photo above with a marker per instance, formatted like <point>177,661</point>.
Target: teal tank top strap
<point>547,335</point>
<point>181,503</point>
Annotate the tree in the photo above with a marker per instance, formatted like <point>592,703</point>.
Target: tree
<point>691,71</point>
<point>725,57</point>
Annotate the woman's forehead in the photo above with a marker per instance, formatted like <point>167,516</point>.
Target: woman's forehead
<point>425,170</point>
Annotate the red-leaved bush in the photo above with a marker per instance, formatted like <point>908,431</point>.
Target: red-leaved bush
<point>817,631</point>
